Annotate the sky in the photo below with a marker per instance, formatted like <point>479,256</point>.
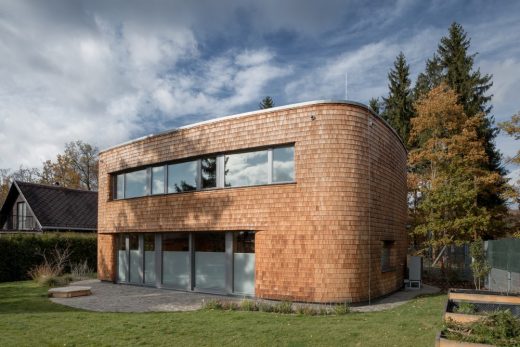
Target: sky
<point>105,72</point>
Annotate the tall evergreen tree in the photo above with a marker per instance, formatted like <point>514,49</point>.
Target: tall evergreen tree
<point>454,65</point>
<point>375,105</point>
<point>512,128</point>
<point>266,102</point>
<point>459,74</point>
<point>429,79</point>
<point>398,106</point>
<point>472,88</point>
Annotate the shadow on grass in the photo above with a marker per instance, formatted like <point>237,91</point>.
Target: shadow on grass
<point>27,297</point>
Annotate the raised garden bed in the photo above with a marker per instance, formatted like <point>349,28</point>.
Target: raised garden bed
<point>483,296</point>
<point>442,341</point>
<point>466,306</point>
<point>477,318</point>
<point>466,312</point>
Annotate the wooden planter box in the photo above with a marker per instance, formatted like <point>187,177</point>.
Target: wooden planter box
<point>69,292</point>
<point>484,301</point>
<point>484,296</point>
<point>443,342</point>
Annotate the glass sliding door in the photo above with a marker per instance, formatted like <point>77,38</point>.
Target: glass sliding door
<point>213,262</point>
<point>149,258</point>
<point>135,259</point>
<point>244,263</point>
<point>176,260</point>
<point>122,258</point>
<point>210,261</point>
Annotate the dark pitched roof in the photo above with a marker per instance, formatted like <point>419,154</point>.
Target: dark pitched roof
<point>57,207</point>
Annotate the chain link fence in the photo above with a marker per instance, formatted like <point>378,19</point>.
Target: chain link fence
<point>504,258</point>
<point>454,264</point>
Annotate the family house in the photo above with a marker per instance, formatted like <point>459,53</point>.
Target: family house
<point>40,207</point>
<point>305,202</point>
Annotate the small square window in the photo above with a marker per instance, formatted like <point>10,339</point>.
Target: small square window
<point>387,247</point>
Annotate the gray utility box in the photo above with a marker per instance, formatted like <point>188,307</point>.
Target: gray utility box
<point>414,265</point>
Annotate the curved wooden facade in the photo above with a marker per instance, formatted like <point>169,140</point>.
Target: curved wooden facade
<point>320,239</point>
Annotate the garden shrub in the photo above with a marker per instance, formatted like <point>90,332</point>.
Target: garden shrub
<point>264,306</point>
<point>466,308</point>
<point>499,329</point>
<point>342,309</point>
<point>81,271</point>
<point>283,307</point>
<point>229,306</point>
<point>248,305</point>
<point>308,310</point>
<point>19,253</point>
<point>212,305</point>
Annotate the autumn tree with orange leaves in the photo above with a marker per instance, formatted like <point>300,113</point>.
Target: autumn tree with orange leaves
<point>448,176</point>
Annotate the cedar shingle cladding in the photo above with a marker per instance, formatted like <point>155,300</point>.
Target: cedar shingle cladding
<point>314,241</point>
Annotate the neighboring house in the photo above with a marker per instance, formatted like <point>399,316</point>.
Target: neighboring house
<point>305,202</point>
<point>39,207</point>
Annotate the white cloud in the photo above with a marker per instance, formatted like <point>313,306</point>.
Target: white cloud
<point>107,71</point>
<point>101,79</point>
<point>218,85</point>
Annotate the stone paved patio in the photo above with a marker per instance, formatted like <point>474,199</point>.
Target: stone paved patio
<point>109,297</point>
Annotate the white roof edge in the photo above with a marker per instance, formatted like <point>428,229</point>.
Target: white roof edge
<point>250,113</point>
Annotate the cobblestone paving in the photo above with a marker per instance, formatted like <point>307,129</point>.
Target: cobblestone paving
<point>109,297</point>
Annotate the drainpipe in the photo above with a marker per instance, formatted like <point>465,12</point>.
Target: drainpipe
<point>370,124</point>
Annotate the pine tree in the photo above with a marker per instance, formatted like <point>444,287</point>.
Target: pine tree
<point>512,128</point>
<point>429,79</point>
<point>470,85</point>
<point>267,102</point>
<point>398,106</point>
<point>375,105</point>
<point>454,65</point>
<point>472,88</point>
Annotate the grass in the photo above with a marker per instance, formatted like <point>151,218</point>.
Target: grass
<point>28,318</point>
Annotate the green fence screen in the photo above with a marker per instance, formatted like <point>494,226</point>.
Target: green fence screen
<point>504,254</point>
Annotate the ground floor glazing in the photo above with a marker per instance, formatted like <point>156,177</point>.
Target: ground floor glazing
<point>212,262</point>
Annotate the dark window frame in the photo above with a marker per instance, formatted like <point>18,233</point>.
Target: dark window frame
<point>387,255</point>
<point>219,174</point>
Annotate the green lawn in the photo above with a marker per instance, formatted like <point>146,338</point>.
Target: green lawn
<point>28,318</point>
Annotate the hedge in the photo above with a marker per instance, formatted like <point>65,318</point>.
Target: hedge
<point>20,252</point>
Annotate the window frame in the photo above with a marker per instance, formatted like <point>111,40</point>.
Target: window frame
<point>269,167</point>
<point>197,174</point>
<point>387,264</point>
<point>165,179</point>
<point>272,164</point>
<point>220,172</point>
<point>146,179</point>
